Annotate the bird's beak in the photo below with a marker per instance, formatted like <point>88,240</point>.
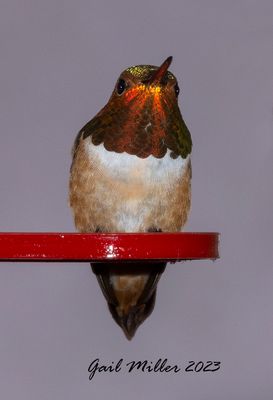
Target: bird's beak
<point>159,74</point>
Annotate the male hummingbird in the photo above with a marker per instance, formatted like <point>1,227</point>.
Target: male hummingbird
<point>131,172</point>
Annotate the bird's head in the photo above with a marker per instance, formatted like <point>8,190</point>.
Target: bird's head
<point>142,116</point>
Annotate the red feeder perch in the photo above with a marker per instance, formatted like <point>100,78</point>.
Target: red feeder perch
<point>108,247</point>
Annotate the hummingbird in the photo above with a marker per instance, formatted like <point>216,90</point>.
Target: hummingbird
<point>131,172</point>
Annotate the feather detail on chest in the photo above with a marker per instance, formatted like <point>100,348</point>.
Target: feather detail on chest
<point>133,169</point>
<point>120,192</point>
<point>142,125</point>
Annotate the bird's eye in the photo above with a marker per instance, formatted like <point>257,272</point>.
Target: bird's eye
<point>176,89</point>
<point>121,85</point>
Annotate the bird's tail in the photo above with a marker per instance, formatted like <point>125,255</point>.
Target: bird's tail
<point>130,290</point>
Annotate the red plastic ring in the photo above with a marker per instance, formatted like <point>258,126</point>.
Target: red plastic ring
<point>109,246</point>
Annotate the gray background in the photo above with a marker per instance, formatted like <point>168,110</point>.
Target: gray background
<point>59,63</point>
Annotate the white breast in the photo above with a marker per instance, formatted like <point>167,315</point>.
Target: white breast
<point>150,170</point>
<point>135,193</point>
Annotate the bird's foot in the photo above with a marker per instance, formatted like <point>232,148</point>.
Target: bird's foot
<point>154,229</point>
